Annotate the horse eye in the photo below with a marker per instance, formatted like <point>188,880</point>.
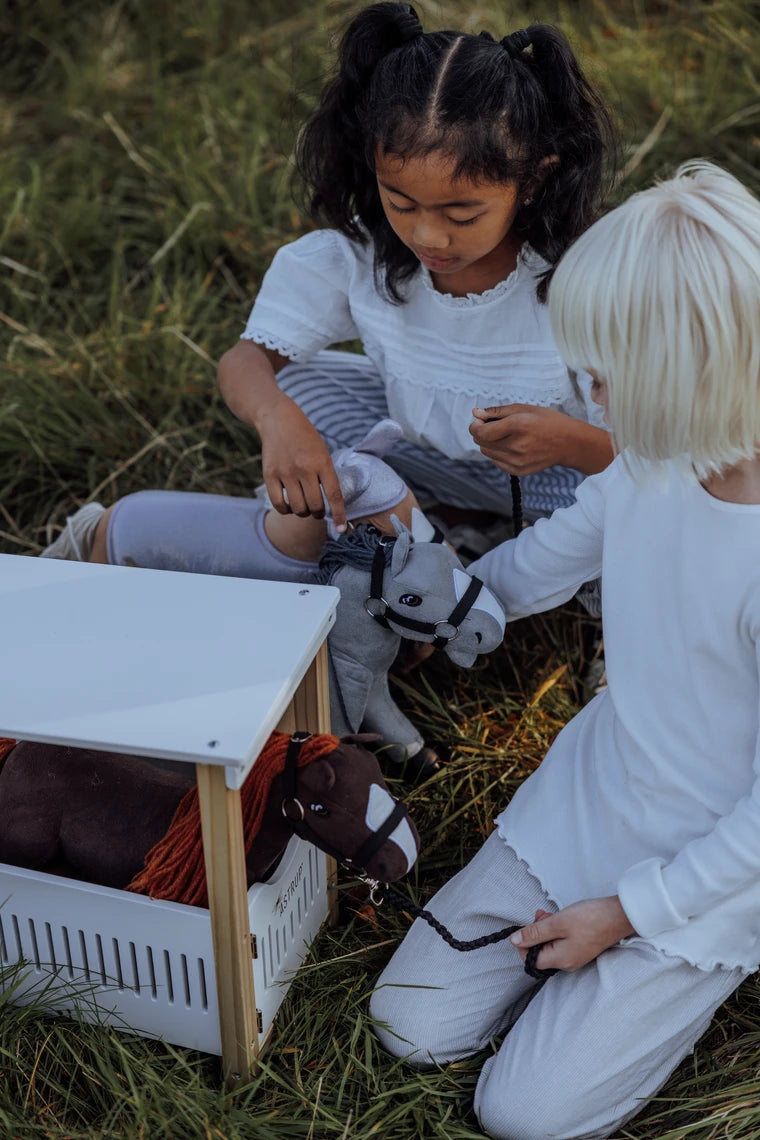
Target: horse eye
<point>410,600</point>
<point>318,809</point>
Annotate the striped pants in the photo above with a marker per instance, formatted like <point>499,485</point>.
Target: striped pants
<point>343,395</point>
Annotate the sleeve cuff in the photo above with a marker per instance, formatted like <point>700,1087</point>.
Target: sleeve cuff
<point>645,900</point>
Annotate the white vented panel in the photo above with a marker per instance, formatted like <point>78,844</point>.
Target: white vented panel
<point>147,966</point>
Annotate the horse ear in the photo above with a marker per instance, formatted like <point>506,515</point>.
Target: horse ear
<point>401,548</point>
<point>381,438</point>
<point>398,526</point>
<point>422,529</point>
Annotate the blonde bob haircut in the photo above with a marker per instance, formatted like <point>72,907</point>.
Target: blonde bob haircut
<point>661,297</point>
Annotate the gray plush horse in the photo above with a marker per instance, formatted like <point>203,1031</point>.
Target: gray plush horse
<point>414,587</point>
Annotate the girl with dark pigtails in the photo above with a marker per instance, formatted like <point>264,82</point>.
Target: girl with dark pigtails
<point>448,173</point>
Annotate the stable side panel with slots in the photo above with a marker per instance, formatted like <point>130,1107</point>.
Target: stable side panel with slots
<point>140,964</point>
<point>289,911</point>
<point>145,965</point>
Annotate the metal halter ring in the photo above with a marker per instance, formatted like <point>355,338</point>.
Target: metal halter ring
<point>298,804</point>
<point>375,607</point>
<point>446,636</point>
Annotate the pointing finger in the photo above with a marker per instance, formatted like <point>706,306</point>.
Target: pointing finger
<point>334,496</point>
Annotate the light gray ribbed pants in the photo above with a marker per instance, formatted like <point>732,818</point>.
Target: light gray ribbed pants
<point>585,1050</point>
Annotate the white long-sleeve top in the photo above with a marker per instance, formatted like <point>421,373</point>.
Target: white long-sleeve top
<point>439,356</point>
<point>652,792</point>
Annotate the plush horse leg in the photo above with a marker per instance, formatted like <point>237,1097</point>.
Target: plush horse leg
<point>407,748</point>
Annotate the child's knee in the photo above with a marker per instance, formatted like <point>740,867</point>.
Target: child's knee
<point>506,1111</point>
<point>398,1029</point>
<point>538,1107</point>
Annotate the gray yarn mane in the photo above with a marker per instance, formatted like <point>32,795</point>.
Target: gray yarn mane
<point>356,548</point>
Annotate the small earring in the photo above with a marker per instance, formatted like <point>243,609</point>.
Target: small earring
<point>527,201</point>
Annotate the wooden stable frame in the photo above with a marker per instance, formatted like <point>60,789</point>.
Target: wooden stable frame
<point>192,668</point>
<point>224,854</point>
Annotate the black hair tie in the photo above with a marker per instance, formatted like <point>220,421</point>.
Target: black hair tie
<point>408,24</point>
<point>516,42</point>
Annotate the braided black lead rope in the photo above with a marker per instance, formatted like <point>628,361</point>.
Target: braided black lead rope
<point>382,891</point>
<point>517,515</point>
<point>514,481</point>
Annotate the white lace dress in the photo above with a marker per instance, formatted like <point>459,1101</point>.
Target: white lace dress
<point>437,356</point>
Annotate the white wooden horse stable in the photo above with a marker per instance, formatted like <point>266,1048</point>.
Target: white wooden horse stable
<point>193,668</point>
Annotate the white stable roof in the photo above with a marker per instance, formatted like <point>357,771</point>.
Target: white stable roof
<point>153,662</point>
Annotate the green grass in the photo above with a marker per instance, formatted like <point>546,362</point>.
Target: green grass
<point>144,186</point>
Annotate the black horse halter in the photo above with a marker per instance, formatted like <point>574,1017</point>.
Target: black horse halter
<point>378,608</point>
<point>357,862</point>
<point>291,803</point>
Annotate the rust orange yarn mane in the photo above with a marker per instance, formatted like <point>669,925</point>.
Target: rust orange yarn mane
<point>6,744</point>
<point>174,869</point>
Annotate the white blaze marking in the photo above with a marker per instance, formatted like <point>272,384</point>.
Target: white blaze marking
<point>379,806</point>
<point>485,600</point>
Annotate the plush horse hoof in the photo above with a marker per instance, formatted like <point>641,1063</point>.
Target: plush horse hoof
<point>420,767</point>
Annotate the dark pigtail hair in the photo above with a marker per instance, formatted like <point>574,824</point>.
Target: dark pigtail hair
<point>331,152</point>
<point>496,109</point>
<point>565,198</point>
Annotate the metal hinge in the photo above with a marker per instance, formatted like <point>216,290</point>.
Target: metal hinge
<point>254,946</point>
<point>259,1021</point>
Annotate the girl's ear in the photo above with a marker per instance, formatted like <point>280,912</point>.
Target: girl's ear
<point>545,167</point>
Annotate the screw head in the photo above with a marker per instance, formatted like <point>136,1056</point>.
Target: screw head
<point>213,744</point>
<point>302,592</point>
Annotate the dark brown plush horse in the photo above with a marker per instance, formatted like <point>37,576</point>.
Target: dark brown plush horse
<point>96,815</point>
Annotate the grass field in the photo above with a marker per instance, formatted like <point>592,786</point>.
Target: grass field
<point>145,186</point>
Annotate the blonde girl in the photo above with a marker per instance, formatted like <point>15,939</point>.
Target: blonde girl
<point>633,854</point>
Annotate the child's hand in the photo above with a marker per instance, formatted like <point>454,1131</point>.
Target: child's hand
<point>576,935</point>
<point>522,439</point>
<point>296,464</point>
